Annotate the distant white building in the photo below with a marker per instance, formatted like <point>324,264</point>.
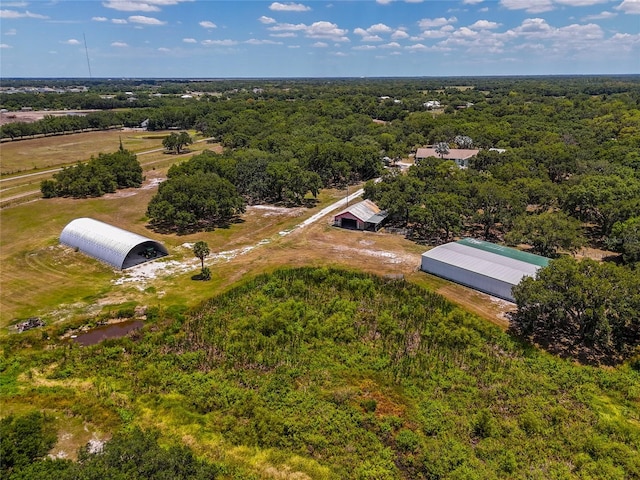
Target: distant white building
<point>459,155</point>
<point>431,104</point>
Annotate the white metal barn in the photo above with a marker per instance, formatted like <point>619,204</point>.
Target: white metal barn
<point>113,245</point>
<point>483,266</point>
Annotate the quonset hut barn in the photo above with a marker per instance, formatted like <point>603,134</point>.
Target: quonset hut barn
<point>112,245</point>
<point>483,266</point>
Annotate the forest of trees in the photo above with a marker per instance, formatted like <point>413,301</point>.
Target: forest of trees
<point>103,174</point>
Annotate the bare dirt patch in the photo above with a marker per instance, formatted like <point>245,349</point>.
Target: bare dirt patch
<point>148,184</point>
<point>35,115</point>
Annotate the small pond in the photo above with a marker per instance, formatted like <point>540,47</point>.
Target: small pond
<point>115,330</point>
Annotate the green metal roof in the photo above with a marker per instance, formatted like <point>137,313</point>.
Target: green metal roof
<point>505,251</point>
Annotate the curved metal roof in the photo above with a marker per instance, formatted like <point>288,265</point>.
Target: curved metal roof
<point>105,242</point>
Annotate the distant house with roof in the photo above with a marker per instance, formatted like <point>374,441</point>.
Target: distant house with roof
<point>459,155</point>
<point>364,215</point>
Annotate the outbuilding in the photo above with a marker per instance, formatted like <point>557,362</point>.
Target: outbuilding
<point>364,215</point>
<point>115,246</point>
<point>483,266</point>
<point>459,155</point>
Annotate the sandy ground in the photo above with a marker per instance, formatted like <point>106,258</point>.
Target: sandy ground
<point>142,274</point>
<point>35,115</point>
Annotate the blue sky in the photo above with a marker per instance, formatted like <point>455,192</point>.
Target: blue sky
<point>222,39</point>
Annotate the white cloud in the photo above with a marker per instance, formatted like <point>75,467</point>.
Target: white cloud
<point>629,6</point>
<point>5,45</point>
<point>25,14</point>
<point>530,6</point>
<point>440,33</point>
<point>189,40</point>
<point>11,32</point>
<point>140,5</point>
<point>321,30</point>
<point>298,27</point>
<point>384,2</point>
<point>266,20</point>
<point>71,41</point>
<point>255,41</point>
<point>288,7</point>
<point>379,28</point>
<point>207,24</point>
<point>164,50</point>
<point>119,21</point>
<point>339,54</point>
<point>327,30</point>
<point>100,19</point>
<point>365,47</point>
<point>600,16</point>
<point>130,6</point>
<point>426,23</point>
<point>320,45</point>
<point>119,44</point>
<point>416,47</point>
<point>471,2</point>
<point>391,45</point>
<point>142,20</point>
<point>484,25</point>
<point>366,36</point>
<point>563,41</point>
<point>580,3</point>
<point>283,35</point>
<point>399,35</point>
<point>220,43</point>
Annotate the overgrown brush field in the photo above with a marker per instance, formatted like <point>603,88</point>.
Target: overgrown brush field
<point>327,373</point>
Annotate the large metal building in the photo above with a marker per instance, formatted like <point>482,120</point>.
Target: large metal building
<point>115,246</point>
<point>483,266</point>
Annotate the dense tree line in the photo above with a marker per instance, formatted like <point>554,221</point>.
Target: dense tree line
<point>210,189</point>
<point>103,174</point>
<point>59,124</point>
<point>582,309</point>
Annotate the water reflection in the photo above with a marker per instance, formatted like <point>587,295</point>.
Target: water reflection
<point>115,330</point>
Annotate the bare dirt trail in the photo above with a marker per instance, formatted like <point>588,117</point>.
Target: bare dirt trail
<point>148,271</point>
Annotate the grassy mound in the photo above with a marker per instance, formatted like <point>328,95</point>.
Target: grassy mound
<point>322,373</point>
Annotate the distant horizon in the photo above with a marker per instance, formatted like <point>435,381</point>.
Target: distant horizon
<point>318,39</point>
<point>540,75</point>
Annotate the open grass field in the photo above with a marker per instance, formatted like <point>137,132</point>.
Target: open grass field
<point>42,278</point>
<point>52,153</point>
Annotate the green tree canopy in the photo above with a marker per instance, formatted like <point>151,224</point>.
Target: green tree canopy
<point>547,233</point>
<point>201,251</point>
<point>193,202</point>
<point>581,309</point>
